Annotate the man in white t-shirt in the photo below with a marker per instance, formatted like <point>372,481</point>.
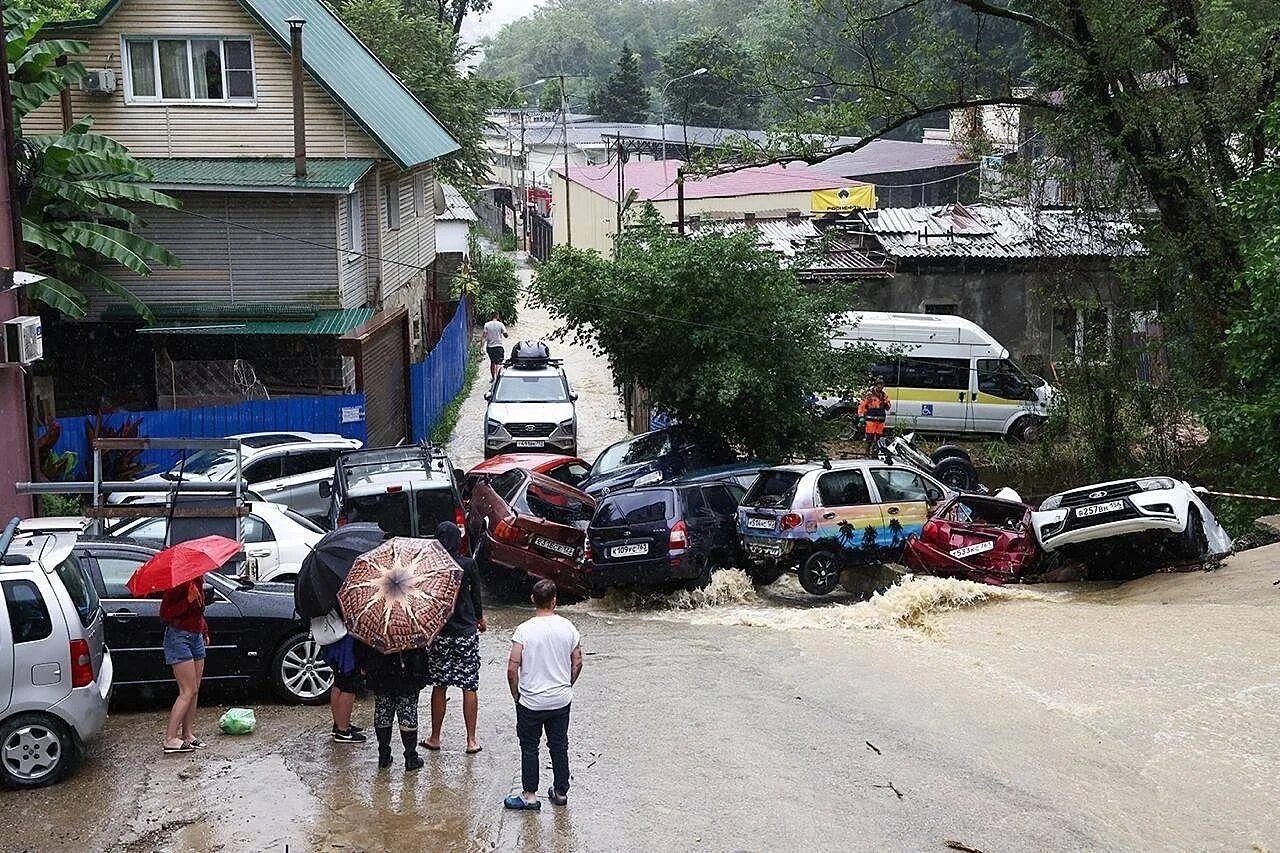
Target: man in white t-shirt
<point>494,332</point>
<point>546,660</point>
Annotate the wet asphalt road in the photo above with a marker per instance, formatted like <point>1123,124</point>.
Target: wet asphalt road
<point>1141,717</point>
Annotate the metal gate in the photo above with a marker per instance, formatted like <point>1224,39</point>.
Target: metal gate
<point>380,349</point>
<point>540,236</point>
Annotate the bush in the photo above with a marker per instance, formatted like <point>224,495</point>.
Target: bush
<point>492,283</point>
<point>507,243</point>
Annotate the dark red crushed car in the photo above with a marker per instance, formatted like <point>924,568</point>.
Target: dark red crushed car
<point>977,538</point>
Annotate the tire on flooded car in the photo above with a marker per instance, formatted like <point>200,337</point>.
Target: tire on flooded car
<point>958,473</point>
<point>298,675</point>
<point>820,572</point>
<point>763,574</point>
<point>1192,543</point>
<point>35,750</point>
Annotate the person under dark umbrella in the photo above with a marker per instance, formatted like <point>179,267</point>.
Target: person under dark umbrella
<point>455,653</point>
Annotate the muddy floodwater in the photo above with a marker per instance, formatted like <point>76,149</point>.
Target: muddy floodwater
<point>1144,716</point>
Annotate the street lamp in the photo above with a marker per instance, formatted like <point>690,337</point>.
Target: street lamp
<point>697,73</point>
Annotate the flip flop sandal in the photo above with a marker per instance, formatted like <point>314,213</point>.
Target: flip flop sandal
<point>519,803</point>
<point>174,750</point>
<point>474,751</point>
<point>196,743</point>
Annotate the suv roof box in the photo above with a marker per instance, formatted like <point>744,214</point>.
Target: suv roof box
<point>530,354</point>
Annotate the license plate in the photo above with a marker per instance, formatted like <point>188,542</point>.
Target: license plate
<point>756,523</point>
<point>970,550</point>
<point>1098,509</point>
<point>629,550</point>
<point>528,443</point>
<point>555,547</point>
<point>764,549</point>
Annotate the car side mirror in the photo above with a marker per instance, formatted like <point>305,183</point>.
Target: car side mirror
<point>933,495</point>
<point>326,489</point>
<point>573,396</point>
<point>488,395</point>
<point>1201,491</point>
<point>459,475</point>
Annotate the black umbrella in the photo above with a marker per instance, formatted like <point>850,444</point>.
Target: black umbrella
<point>328,564</point>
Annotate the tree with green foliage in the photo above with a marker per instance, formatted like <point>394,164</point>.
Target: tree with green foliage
<point>549,100</point>
<point>491,280</point>
<point>427,55</point>
<point>85,189</point>
<point>623,96</point>
<point>718,330</point>
<point>728,95</point>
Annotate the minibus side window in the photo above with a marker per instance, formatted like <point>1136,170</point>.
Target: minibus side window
<point>946,373</point>
<point>1000,378</point>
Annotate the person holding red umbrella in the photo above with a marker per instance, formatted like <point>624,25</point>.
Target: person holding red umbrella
<point>178,571</point>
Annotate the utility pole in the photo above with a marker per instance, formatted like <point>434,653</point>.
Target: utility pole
<point>564,121</point>
<point>680,200</point>
<point>524,195</point>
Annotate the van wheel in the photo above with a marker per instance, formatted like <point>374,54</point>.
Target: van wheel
<point>958,473</point>
<point>297,672</point>
<point>820,573</point>
<point>35,750</point>
<point>1026,430</point>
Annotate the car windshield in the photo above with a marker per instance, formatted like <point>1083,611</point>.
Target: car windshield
<point>643,507</point>
<point>514,388</point>
<point>642,448</point>
<point>772,489</point>
<point>214,464</point>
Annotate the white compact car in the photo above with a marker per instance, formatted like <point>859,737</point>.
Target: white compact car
<point>1159,508</point>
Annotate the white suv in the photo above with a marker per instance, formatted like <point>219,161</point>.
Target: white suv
<point>281,467</point>
<point>531,409</point>
<point>55,669</point>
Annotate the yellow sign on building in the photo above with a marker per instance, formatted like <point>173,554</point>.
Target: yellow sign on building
<point>857,197</point>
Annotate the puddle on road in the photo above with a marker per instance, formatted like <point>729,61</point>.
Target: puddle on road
<point>731,599</point>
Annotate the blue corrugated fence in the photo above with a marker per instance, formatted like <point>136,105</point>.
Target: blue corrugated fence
<point>437,379</point>
<point>341,414</point>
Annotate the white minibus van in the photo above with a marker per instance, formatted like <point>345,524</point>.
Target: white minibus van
<point>944,373</point>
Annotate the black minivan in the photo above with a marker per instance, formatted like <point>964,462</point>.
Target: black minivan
<point>665,536</point>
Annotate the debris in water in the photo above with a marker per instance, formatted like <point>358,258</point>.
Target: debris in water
<point>962,847</point>
<point>891,787</point>
<point>729,586</point>
<point>871,746</point>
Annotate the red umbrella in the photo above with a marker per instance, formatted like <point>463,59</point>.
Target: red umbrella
<point>181,563</point>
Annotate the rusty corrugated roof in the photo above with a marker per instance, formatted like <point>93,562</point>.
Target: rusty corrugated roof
<point>993,231</point>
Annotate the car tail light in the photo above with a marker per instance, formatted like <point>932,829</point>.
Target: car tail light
<point>507,532</point>
<point>81,664</point>
<point>934,530</point>
<point>460,519</point>
<point>791,520</point>
<point>679,535</point>
<point>392,490</point>
<point>342,520</point>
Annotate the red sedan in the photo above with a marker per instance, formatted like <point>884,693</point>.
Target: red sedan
<point>978,538</point>
<point>569,470</point>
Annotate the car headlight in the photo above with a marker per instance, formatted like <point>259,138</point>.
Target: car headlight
<point>491,426</point>
<point>1152,484</point>
<point>1051,502</point>
<point>568,426</point>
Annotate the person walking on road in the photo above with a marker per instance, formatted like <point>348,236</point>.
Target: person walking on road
<point>396,679</point>
<point>455,653</point>
<point>874,410</point>
<point>494,332</point>
<point>186,633</point>
<point>341,657</point>
<point>545,662</point>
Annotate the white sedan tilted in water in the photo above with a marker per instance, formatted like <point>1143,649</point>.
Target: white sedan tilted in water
<point>1153,508</point>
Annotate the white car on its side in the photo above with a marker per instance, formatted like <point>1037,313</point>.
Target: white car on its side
<point>1159,509</point>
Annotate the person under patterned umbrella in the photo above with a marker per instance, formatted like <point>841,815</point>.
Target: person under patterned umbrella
<point>399,595</point>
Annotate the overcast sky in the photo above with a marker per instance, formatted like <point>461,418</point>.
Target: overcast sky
<point>503,12</point>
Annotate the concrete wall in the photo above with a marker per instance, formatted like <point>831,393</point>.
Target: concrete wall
<point>1015,303</point>
<point>264,129</point>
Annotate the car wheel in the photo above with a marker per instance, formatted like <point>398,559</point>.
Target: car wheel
<point>1026,430</point>
<point>35,750</point>
<point>1193,544</point>
<point>958,473</point>
<point>290,578</point>
<point>297,672</point>
<point>820,573</point>
<point>763,574</point>
<point>707,565</point>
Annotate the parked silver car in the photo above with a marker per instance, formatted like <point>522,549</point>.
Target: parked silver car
<point>55,670</point>
<point>281,467</point>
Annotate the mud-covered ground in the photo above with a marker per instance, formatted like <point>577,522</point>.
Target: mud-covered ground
<point>1144,716</point>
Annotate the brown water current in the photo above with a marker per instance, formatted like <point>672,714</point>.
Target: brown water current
<point>1138,716</point>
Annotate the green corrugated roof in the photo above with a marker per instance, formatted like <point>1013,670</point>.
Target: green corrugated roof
<point>323,174</point>
<point>373,96</point>
<point>324,321</point>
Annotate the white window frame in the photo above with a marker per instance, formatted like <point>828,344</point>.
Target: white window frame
<point>391,204</point>
<point>353,239</point>
<point>126,67</point>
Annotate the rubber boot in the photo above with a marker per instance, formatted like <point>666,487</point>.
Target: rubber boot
<point>410,739</point>
<point>384,746</point>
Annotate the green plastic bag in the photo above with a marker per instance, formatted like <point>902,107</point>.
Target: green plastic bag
<point>238,721</point>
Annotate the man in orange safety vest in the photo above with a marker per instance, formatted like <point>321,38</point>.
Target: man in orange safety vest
<point>873,410</point>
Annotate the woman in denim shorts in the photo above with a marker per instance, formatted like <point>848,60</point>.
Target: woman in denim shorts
<point>185,636</point>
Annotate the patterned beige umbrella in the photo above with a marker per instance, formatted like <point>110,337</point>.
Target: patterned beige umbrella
<point>400,594</point>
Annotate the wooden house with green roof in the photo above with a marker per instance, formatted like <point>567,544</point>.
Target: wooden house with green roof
<point>332,265</point>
